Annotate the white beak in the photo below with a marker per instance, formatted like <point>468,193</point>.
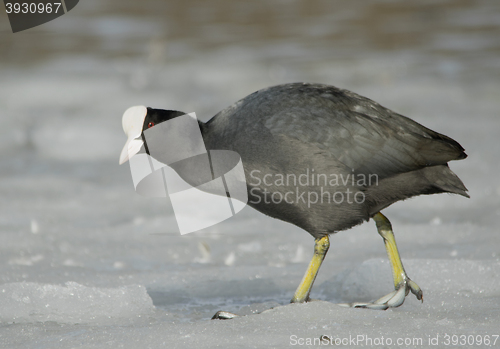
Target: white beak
<point>132,122</point>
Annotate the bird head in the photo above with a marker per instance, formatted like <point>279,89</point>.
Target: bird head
<point>137,119</point>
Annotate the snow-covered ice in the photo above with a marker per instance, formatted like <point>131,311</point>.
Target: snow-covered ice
<point>71,303</point>
<point>85,262</point>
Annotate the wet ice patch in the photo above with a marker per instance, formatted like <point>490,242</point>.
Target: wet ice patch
<point>23,302</point>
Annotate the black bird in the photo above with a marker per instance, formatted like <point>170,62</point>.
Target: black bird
<point>325,159</point>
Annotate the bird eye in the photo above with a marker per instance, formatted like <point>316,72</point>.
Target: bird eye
<point>151,124</point>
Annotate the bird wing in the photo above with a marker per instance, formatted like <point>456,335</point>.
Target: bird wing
<point>358,132</point>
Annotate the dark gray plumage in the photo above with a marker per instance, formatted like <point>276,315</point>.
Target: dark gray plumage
<point>295,128</point>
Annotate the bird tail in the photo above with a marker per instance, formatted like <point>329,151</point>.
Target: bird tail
<point>443,179</point>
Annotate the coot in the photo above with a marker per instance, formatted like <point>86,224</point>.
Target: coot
<point>327,159</point>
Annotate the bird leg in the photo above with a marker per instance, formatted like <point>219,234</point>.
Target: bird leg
<point>402,283</point>
<point>301,295</point>
<point>321,246</point>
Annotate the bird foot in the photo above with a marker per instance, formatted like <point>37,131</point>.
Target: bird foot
<point>391,300</point>
<point>224,315</point>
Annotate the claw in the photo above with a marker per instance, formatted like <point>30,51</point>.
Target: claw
<point>386,298</point>
<point>398,298</point>
<point>364,305</point>
<point>224,315</point>
<point>415,289</point>
<point>392,300</point>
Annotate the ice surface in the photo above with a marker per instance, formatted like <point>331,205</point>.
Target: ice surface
<point>85,262</point>
<point>72,303</point>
